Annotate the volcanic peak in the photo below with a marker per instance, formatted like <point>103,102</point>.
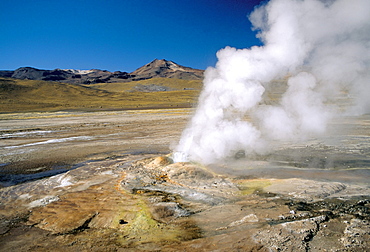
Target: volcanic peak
<point>167,69</point>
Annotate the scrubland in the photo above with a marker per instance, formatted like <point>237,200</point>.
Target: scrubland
<point>32,95</point>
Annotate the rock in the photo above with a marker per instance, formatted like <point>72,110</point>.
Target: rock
<point>356,235</point>
<point>306,189</point>
<point>4,225</point>
<point>290,236</point>
<point>160,161</point>
<point>190,181</point>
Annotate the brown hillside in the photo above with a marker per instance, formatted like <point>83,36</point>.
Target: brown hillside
<point>34,95</point>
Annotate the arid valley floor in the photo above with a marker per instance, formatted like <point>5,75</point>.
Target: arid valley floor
<point>104,181</point>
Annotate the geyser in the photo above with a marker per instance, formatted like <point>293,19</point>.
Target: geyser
<point>322,51</point>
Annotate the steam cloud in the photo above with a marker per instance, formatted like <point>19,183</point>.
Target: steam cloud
<point>321,49</point>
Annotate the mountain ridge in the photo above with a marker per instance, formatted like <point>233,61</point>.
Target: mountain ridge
<point>156,68</point>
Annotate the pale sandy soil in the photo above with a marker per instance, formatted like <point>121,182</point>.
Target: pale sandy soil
<point>125,194</point>
<point>39,142</point>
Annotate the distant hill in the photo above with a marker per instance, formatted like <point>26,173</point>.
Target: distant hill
<point>155,69</point>
<point>67,75</point>
<point>37,95</point>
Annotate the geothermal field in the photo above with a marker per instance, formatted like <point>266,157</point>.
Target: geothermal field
<point>106,181</point>
<point>273,156</point>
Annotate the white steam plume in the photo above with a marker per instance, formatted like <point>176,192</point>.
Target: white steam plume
<point>322,48</point>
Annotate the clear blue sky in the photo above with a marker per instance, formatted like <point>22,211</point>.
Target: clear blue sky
<point>120,35</point>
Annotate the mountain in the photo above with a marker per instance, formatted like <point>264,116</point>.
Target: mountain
<point>166,69</point>
<point>156,68</point>
<point>67,75</point>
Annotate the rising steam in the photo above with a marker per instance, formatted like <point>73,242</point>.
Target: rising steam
<point>320,49</point>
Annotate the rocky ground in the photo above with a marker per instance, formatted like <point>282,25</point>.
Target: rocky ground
<point>311,197</point>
